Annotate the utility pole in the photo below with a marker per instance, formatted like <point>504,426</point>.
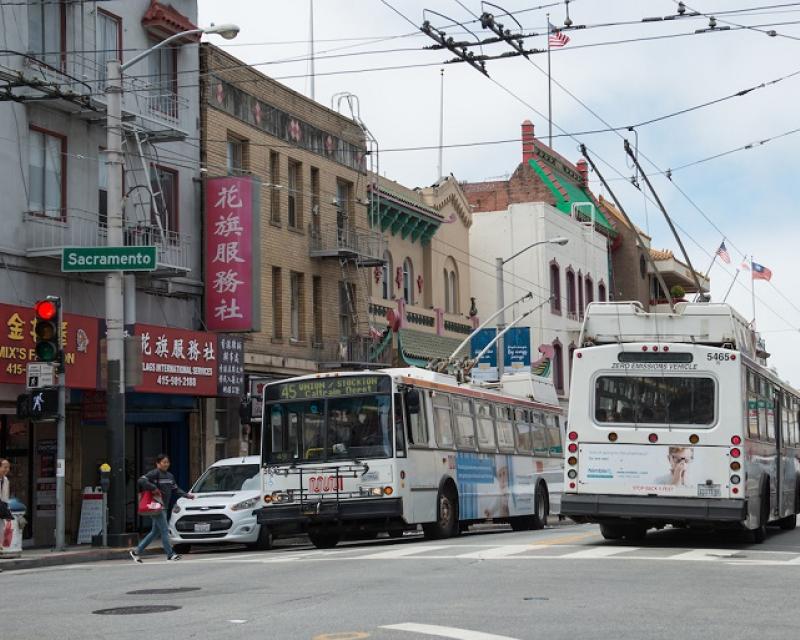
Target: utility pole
<point>115,346</point>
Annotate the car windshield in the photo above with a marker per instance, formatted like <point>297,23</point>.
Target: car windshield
<point>234,477</point>
<point>334,429</point>
<point>654,400</point>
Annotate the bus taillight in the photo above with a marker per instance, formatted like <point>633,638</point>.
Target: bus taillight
<point>735,490</point>
<point>653,438</point>
<point>572,447</point>
<point>612,437</point>
<point>573,435</point>
<point>694,438</point>
<point>736,440</point>
<point>735,453</point>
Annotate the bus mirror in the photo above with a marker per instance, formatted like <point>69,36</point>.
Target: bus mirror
<point>412,400</point>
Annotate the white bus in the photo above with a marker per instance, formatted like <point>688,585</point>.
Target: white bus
<point>359,453</point>
<point>674,419</point>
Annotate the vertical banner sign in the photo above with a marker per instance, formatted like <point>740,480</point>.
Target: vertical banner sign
<point>486,369</point>
<point>230,370</point>
<point>517,346</point>
<point>231,254</point>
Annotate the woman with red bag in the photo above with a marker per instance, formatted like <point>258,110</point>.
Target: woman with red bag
<point>159,493</point>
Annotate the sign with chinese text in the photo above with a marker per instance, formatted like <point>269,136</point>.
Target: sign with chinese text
<point>231,254</point>
<point>80,340</point>
<point>230,374</point>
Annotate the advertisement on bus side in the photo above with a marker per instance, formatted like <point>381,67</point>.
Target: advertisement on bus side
<point>653,469</point>
<point>494,486</point>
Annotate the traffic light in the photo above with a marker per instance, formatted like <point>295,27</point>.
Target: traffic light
<point>48,329</point>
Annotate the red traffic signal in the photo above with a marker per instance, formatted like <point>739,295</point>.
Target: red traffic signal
<point>46,310</point>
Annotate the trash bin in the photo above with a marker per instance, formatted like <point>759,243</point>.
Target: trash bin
<point>11,534</point>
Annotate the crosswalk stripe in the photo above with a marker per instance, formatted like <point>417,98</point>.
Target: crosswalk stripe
<point>406,550</point>
<point>598,552</point>
<point>445,632</point>
<point>707,555</point>
<point>496,552</point>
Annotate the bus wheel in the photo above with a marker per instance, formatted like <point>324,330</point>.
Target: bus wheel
<point>446,525</point>
<point>611,532</point>
<point>521,523</point>
<point>541,507</point>
<point>264,540</point>
<point>788,523</point>
<point>324,539</point>
<point>395,533</point>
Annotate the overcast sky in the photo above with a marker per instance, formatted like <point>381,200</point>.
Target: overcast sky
<point>747,194</point>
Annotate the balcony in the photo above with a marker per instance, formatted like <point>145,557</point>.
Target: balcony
<point>355,353</point>
<point>364,247</point>
<point>46,237</point>
<point>75,84</point>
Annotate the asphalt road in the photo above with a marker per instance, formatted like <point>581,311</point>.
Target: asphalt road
<point>563,582</point>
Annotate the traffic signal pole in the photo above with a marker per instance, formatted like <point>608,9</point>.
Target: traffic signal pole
<point>61,445</point>
<point>115,382</point>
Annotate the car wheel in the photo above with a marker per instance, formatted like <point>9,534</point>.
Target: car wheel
<point>611,532</point>
<point>264,540</point>
<point>182,548</point>
<point>324,539</point>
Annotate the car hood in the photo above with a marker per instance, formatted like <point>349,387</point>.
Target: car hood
<point>217,499</point>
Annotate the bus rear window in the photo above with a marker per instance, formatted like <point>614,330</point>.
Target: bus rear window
<point>654,400</point>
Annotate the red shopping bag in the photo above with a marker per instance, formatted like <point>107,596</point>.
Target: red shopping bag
<point>8,532</point>
<point>149,505</point>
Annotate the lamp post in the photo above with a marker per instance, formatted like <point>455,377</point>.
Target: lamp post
<point>115,379</point>
<point>501,319</point>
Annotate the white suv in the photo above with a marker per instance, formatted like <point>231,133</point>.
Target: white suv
<point>226,496</point>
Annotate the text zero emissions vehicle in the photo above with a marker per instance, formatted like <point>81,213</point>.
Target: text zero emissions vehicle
<point>358,453</point>
<point>675,419</point>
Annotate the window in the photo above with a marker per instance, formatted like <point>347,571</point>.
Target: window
<point>297,306</point>
<point>524,431</point>
<point>553,437</point>
<point>408,281</point>
<point>387,271</point>
<point>316,306</point>
<point>343,205</point>
<point>164,183</point>
<point>47,184</point>
<point>417,425</point>
<point>442,422</point>
<point>601,292</point>
<point>453,292</point>
<point>295,210</point>
<point>655,400</point>
<point>505,428</point>
<point>347,297</point>
<point>555,288</point>
<point>589,290</point>
<point>446,291</point>
<point>315,213</point>
<point>769,404</point>
<point>485,424</point>
<point>46,25</point>
<point>236,160</point>
<point>642,267</point>
<point>275,184</point>
<point>109,41</point>
<point>752,405</point>
<point>571,356</point>
<point>277,304</point>
<point>541,446</point>
<point>102,189</point>
<point>163,78</point>
<point>465,426</point>
<point>558,367</point>
<point>571,306</point>
<point>580,296</point>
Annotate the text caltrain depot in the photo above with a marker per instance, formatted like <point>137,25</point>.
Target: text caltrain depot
<point>333,387</point>
<point>108,259</point>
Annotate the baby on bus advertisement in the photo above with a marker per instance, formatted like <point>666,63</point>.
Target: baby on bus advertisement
<point>642,469</point>
<point>490,486</point>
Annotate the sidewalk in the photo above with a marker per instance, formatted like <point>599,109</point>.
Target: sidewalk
<point>36,558</point>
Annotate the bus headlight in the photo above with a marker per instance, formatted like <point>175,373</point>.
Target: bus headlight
<point>278,497</point>
<point>371,491</point>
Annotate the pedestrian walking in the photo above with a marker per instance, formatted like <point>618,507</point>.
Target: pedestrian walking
<point>5,489</point>
<point>161,483</point>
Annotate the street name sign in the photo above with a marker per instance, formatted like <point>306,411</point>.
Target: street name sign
<point>40,374</point>
<point>108,259</point>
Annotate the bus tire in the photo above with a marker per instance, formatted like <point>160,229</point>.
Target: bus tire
<point>324,539</point>
<point>541,506</point>
<point>446,525</point>
<point>611,532</point>
<point>521,523</point>
<point>394,534</point>
<point>788,523</point>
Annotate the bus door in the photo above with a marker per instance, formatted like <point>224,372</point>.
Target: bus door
<point>785,470</point>
<point>421,469</point>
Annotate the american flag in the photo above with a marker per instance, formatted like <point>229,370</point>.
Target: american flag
<point>723,254</point>
<point>556,38</point>
<point>760,272</point>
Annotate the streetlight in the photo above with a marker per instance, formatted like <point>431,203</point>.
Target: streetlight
<point>501,319</point>
<point>115,379</point>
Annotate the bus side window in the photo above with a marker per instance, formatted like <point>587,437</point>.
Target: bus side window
<point>442,421</point>
<point>769,405</point>
<point>505,429</point>
<point>399,426</point>
<point>554,431</point>
<point>524,431</point>
<point>417,423</point>
<point>465,424</point>
<point>485,422</point>
<point>752,406</point>
<point>540,447</point>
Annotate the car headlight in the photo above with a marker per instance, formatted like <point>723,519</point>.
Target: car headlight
<point>245,504</point>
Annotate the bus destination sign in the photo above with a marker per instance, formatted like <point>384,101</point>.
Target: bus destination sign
<point>340,386</point>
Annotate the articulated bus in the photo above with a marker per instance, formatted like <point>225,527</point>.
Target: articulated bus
<point>675,419</point>
<point>354,454</point>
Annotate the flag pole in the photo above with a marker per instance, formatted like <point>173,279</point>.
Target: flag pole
<point>705,277</point>
<point>549,90</point>
<point>753,292</point>
<point>733,282</point>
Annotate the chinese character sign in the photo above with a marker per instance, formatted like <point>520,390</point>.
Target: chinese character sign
<point>230,375</point>
<point>80,337</point>
<point>231,267</point>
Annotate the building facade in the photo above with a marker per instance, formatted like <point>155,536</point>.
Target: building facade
<point>52,138</point>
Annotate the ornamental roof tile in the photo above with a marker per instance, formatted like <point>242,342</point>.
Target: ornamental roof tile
<point>418,347</point>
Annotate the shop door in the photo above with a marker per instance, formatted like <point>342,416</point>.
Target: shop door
<point>15,445</point>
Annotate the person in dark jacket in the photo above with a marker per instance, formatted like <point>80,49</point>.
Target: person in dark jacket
<point>163,486</point>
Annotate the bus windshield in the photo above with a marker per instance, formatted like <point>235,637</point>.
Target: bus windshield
<point>330,429</point>
<point>654,400</point>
